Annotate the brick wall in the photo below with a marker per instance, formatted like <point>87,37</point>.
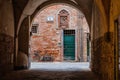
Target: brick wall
<point>48,39</point>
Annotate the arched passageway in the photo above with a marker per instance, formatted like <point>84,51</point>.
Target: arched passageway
<point>100,34</point>
<point>101,16</point>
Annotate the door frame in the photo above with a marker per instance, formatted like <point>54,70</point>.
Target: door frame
<point>116,49</point>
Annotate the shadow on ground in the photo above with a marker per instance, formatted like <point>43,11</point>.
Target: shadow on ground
<point>53,71</point>
<point>49,75</point>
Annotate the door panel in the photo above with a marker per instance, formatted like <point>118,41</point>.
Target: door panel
<point>69,47</point>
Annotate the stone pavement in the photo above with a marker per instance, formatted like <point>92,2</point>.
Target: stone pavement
<point>38,72</point>
<point>61,66</point>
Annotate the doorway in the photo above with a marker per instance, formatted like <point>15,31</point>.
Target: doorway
<point>69,44</point>
<point>117,49</point>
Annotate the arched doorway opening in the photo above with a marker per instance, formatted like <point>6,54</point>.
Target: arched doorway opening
<point>117,48</point>
<point>59,33</point>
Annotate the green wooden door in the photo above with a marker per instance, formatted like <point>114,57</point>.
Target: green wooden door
<point>69,47</point>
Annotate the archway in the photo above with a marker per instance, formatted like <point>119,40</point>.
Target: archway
<point>47,40</point>
<point>99,37</point>
<point>23,36</point>
<point>104,48</point>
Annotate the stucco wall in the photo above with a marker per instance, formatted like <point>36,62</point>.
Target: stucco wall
<point>6,36</point>
<point>103,44</point>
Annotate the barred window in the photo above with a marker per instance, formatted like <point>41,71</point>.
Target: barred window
<point>34,28</point>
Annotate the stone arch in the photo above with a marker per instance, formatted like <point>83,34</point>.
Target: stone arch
<point>27,12</point>
<point>24,28</point>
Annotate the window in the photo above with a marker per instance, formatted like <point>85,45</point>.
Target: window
<point>63,19</point>
<point>34,28</point>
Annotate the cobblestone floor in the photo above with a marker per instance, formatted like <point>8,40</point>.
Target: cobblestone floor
<point>50,74</point>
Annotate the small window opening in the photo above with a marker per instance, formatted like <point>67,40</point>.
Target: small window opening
<point>34,28</point>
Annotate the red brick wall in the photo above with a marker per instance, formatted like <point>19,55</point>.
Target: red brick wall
<point>49,36</point>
